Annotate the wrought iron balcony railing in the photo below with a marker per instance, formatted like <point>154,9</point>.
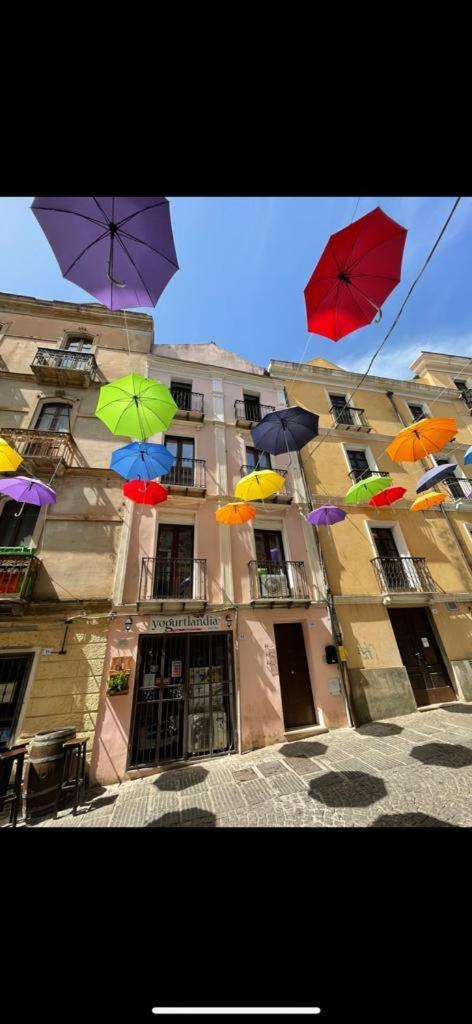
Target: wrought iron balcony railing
<point>284,495</point>
<point>349,418</point>
<point>17,576</point>
<point>249,411</point>
<point>187,474</point>
<point>360,474</point>
<point>397,575</point>
<point>466,396</point>
<point>181,579</point>
<point>55,365</point>
<point>458,486</point>
<point>190,403</point>
<point>277,581</point>
<point>44,447</point>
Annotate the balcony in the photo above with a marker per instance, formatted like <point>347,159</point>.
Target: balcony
<point>356,475</point>
<point>58,366</point>
<point>396,575</point>
<point>42,450</point>
<point>466,396</point>
<point>173,583</point>
<point>18,570</point>
<point>346,417</point>
<point>459,487</point>
<point>247,413</point>
<point>284,497</point>
<point>190,404</point>
<point>187,476</point>
<point>278,583</point>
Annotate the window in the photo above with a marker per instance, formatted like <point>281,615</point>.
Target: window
<point>461,384</point>
<point>54,416</point>
<point>359,464</point>
<point>254,458</point>
<point>342,412</point>
<point>77,343</point>
<point>252,407</point>
<point>269,546</point>
<point>417,411</point>
<point>182,395</point>
<point>16,531</point>
<point>174,563</point>
<point>183,470</point>
<point>455,487</point>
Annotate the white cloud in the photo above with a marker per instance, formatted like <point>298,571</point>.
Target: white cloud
<point>394,360</point>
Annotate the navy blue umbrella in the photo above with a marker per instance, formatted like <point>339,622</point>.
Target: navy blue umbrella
<point>286,430</point>
<point>435,475</point>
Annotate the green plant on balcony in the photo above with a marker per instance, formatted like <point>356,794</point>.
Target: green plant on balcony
<point>118,683</point>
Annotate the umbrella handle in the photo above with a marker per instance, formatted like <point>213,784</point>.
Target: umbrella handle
<point>119,284</point>
<point>17,514</point>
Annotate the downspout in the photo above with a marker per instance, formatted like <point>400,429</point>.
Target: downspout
<point>335,628</point>
<point>463,550</point>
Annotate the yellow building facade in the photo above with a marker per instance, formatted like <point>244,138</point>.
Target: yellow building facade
<point>401,581</point>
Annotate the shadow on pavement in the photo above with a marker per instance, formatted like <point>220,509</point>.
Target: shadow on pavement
<point>304,749</point>
<point>458,709</point>
<point>410,820</point>
<point>192,817</point>
<point>173,781</point>
<point>351,789</point>
<point>450,755</point>
<point>379,729</point>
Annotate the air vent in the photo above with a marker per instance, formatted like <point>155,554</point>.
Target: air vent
<point>452,606</point>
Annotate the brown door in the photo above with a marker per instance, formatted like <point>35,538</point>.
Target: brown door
<point>421,656</point>
<point>295,684</point>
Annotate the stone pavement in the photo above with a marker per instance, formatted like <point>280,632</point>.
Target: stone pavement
<point>413,771</point>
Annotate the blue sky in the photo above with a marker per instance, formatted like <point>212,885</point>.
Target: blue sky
<point>245,262</point>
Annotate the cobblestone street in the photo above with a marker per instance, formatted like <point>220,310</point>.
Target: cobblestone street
<point>413,771</point>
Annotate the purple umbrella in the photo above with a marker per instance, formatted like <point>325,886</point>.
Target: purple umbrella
<point>326,515</point>
<point>28,490</point>
<point>118,248</point>
<point>433,476</point>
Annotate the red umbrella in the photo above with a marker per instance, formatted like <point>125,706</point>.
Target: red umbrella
<point>388,496</point>
<point>359,268</point>
<point>144,492</point>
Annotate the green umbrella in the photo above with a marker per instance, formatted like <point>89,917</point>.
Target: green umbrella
<point>136,407</point>
<point>365,489</point>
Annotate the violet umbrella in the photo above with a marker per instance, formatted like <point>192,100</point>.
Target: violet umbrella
<point>326,515</point>
<point>28,491</point>
<point>120,249</point>
<point>435,475</point>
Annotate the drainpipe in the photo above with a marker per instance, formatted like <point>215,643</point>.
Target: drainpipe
<point>335,628</point>
<point>462,548</point>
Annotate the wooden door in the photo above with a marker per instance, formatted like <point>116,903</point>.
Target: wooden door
<point>421,656</point>
<point>295,683</point>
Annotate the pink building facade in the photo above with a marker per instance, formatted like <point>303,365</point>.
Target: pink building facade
<point>223,630</point>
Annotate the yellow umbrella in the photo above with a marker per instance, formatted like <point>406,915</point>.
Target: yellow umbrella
<point>259,485</point>
<point>427,500</point>
<point>235,513</point>
<point>9,459</point>
<point>421,438</point>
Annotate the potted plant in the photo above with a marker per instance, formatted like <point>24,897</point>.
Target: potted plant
<point>118,683</point>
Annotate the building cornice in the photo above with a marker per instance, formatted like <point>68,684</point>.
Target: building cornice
<point>83,311</point>
<point>440,360</point>
<point>209,370</point>
<point>347,378</point>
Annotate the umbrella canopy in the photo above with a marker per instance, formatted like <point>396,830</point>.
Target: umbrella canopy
<point>120,249</point>
<point>387,497</point>
<point>9,458</point>
<point>421,438</point>
<point>326,515</point>
<point>435,475</point>
<point>259,485</point>
<point>235,513</point>
<point>468,456</point>
<point>28,490</point>
<point>136,406</point>
<point>144,492</point>
<point>286,430</point>
<point>358,269</point>
<point>427,500</point>
<point>142,460</point>
<point>365,489</point>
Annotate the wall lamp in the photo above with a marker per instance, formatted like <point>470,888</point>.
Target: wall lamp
<point>229,621</point>
<point>128,624</point>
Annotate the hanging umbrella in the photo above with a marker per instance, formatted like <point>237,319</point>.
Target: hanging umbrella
<point>235,513</point>
<point>142,460</point>
<point>468,456</point>
<point>358,269</point>
<point>427,500</point>
<point>144,492</point>
<point>435,475</point>
<point>365,489</point>
<point>421,438</point>
<point>9,458</point>
<point>120,249</point>
<point>28,490</point>
<point>259,485</point>
<point>136,406</point>
<point>326,515</point>
<point>387,497</point>
<point>286,430</point>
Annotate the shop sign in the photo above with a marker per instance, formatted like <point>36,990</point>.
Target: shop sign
<point>184,623</point>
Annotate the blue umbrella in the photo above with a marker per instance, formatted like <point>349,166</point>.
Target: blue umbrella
<point>468,456</point>
<point>141,460</point>
<point>286,430</point>
<point>435,475</point>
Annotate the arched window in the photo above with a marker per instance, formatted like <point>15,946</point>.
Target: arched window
<point>54,416</point>
<point>17,532</point>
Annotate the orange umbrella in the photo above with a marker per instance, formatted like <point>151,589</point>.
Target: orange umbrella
<point>427,500</point>
<point>235,513</point>
<point>421,438</point>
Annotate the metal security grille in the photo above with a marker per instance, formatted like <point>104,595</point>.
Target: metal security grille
<point>14,673</point>
<point>183,698</point>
